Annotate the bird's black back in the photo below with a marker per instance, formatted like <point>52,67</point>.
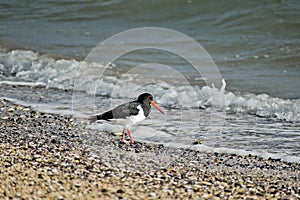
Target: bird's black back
<point>127,109</point>
<point>121,112</point>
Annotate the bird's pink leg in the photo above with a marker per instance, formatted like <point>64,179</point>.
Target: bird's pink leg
<point>130,136</point>
<point>123,135</point>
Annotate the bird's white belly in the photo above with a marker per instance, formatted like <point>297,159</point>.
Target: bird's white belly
<point>135,118</point>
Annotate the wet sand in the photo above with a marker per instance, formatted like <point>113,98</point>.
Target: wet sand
<point>48,156</point>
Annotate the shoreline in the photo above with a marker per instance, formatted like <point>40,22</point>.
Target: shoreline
<point>52,156</point>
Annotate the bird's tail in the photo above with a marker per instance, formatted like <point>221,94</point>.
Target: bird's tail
<point>105,116</point>
<point>92,119</point>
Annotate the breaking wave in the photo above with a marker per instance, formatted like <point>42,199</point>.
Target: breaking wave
<point>24,67</point>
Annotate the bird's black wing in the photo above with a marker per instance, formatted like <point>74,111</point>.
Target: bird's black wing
<point>120,112</point>
<point>125,110</point>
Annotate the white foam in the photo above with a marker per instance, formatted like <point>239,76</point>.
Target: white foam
<point>208,149</point>
<point>22,83</point>
<point>45,107</point>
<point>143,133</point>
<point>264,106</point>
<point>34,70</point>
<point>105,127</point>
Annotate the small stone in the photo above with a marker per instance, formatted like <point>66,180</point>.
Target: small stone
<point>53,141</point>
<point>104,190</point>
<point>26,109</point>
<point>7,164</point>
<point>77,185</point>
<point>152,194</point>
<point>119,191</point>
<point>240,191</point>
<point>117,134</point>
<point>205,183</point>
<point>10,109</point>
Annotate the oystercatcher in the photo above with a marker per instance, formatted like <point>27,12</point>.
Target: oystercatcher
<point>129,113</point>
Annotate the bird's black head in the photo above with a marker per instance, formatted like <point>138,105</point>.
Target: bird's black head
<point>145,98</point>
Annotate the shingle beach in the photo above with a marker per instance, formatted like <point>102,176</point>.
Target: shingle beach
<point>49,156</point>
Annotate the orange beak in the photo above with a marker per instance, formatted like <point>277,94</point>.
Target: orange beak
<point>156,106</point>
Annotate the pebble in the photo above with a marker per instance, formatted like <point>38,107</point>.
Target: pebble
<point>205,183</point>
<point>117,133</point>
<point>152,194</point>
<point>77,184</point>
<point>11,109</point>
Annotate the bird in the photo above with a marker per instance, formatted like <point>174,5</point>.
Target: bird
<point>129,113</point>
